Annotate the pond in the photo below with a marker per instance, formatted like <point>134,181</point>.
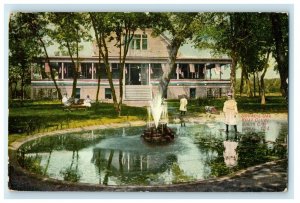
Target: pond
<point>119,156</point>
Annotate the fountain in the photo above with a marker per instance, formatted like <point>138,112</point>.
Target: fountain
<point>159,132</point>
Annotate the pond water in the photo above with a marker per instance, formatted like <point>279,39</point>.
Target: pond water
<point>120,157</point>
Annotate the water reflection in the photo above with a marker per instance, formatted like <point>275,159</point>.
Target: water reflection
<point>230,151</point>
<point>120,157</point>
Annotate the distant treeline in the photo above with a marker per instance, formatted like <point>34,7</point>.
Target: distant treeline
<point>271,86</point>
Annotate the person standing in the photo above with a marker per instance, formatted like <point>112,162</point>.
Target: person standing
<point>87,101</point>
<point>183,105</point>
<point>230,111</point>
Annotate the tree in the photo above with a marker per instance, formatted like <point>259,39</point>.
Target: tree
<point>23,50</point>
<point>260,46</point>
<point>103,30</point>
<point>118,28</point>
<point>37,23</point>
<point>220,34</point>
<point>177,28</point>
<point>69,30</point>
<point>245,37</point>
<point>256,46</point>
<point>281,40</point>
<point>125,25</point>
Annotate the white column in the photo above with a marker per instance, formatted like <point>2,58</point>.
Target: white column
<point>149,73</point>
<point>177,71</point>
<point>62,70</point>
<point>93,70</point>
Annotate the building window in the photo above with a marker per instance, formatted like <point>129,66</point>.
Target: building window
<point>139,42</point>
<point>100,71</point>
<point>68,71</point>
<point>77,93</point>
<point>144,42</point>
<point>38,71</point>
<point>156,71</point>
<point>218,71</point>
<point>108,93</point>
<point>57,69</point>
<point>190,71</point>
<point>183,71</point>
<point>195,71</point>
<point>86,71</point>
<point>193,93</point>
<point>115,71</point>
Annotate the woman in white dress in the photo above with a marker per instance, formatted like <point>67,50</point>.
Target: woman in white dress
<point>183,105</point>
<point>230,111</point>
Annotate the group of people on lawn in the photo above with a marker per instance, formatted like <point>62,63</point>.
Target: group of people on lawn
<point>69,101</point>
<point>230,110</point>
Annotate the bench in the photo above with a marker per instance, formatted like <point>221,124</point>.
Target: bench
<point>74,107</point>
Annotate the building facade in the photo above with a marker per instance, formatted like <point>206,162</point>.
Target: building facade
<point>198,73</point>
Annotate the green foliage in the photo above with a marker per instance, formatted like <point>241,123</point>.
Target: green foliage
<point>23,50</point>
<point>179,175</point>
<point>70,174</point>
<point>33,164</point>
<point>219,169</point>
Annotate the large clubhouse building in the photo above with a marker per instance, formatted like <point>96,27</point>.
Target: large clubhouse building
<point>199,74</point>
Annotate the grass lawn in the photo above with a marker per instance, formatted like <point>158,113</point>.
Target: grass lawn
<point>32,117</point>
<point>274,104</point>
<point>42,116</point>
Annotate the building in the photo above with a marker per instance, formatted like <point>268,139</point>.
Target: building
<point>198,73</point>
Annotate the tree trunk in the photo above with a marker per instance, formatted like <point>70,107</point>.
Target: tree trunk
<point>233,73</point>
<point>258,83</point>
<point>75,68</point>
<point>121,72</point>
<point>120,162</point>
<point>122,59</point>
<point>171,67</point>
<point>254,88</point>
<point>249,91</point>
<point>22,81</point>
<point>248,83</point>
<point>51,70</point>
<point>99,55</point>
<point>262,82</point>
<point>99,77</point>
<point>111,84</point>
<point>10,90</point>
<point>105,181</point>
<point>15,91</point>
<point>242,82</point>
